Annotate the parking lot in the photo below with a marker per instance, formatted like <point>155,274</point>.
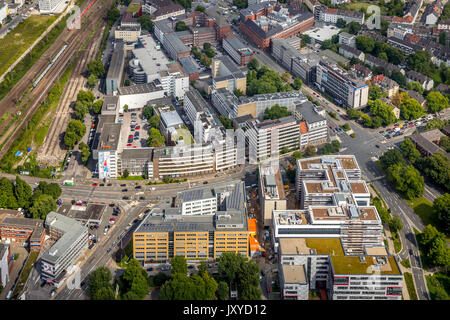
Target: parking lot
<point>134,130</point>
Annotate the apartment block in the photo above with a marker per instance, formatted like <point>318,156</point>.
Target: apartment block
<point>199,223</point>
<point>226,74</point>
<point>347,39</point>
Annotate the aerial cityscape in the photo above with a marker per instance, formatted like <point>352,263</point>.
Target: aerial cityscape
<point>224,150</point>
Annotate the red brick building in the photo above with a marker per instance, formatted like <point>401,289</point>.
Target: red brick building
<point>22,230</point>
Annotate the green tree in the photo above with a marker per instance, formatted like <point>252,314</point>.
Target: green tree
<point>154,121</point>
<point>398,77</point>
<point>160,278</point>
<point>305,39</point>
<point>97,106</point>
<point>200,8</point>
<point>354,27</point>
<point>22,192</point>
<point>390,158</point>
<point>375,92</point>
<point>179,265</point>
<point>230,263</point>
<point>241,4</point>
<point>437,167</point>
<point>410,109</point>
<point>441,209</point>
<point>406,179</point>
<point>396,224</point>
<point>253,64</point>
<point>420,61</point>
<point>222,291</point>
<point>92,81</point>
<point>341,23</point>
<point>75,130</point>
<point>297,155</point>
<point>436,123</point>
<point>125,108</point>
<point>81,108</point>
<point>155,138</point>
<point>112,15</point>
<point>416,86</point>
<point>181,26</point>
<point>125,173</point>
<point>85,152</point>
<point>134,280</point>
<point>383,112</point>
<point>238,93</point>
<point>409,151</point>
<point>227,123</point>
<point>436,101</point>
<point>297,83</point>
<point>147,112</point>
<point>7,197</point>
<point>443,38</point>
<point>99,284</point>
<point>310,151</point>
<point>444,143</point>
<point>352,114</point>
<point>435,248</point>
<point>51,189</point>
<point>365,44</point>
<point>276,112</point>
<point>202,268</point>
<point>96,68</point>
<point>146,22</point>
<point>42,206</point>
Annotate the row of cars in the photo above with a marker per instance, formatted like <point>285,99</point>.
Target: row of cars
<point>134,127</point>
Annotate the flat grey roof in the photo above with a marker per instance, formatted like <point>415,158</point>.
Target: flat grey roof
<point>117,60</point>
<point>71,229</point>
<point>306,109</point>
<point>276,122</point>
<point>138,153</point>
<point>176,43</point>
<point>110,136</point>
<point>140,88</point>
<point>189,65</point>
<point>195,194</point>
<point>273,96</point>
<point>197,100</point>
<point>171,119</point>
<point>93,212</point>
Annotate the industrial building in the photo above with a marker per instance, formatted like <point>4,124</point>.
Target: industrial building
<point>199,223</point>
<point>71,241</point>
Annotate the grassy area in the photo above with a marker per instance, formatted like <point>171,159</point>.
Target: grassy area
<point>355,6</point>
<point>17,41</point>
<point>131,178</point>
<point>397,242</point>
<point>25,273</point>
<point>133,8</point>
<point>410,286</point>
<point>423,208</point>
<point>406,263</point>
<point>439,286</point>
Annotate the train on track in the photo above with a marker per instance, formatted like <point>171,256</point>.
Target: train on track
<point>36,82</point>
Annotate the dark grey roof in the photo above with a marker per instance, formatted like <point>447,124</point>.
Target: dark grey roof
<point>427,145</point>
<point>306,109</point>
<point>416,76</point>
<point>277,122</point>
<point>350,49</point>
<point>117,60</point>
<point>138,153</point>
<point>415,95</point>
<point>140,88</point>
<point>176,43</point>
<point>196,99</point>
<point>3,249</point>
<point>188,65</point>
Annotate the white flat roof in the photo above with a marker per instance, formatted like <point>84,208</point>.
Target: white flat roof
<point>151,59</point>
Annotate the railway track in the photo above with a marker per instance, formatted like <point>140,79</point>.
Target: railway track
<point>53,146</point>
<point>74,41</point>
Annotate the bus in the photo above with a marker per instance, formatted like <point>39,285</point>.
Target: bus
<point>68,182</point>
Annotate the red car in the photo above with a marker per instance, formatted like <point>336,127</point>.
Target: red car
<point>95,184</point>
<point>130,136</point>
<point>128,144</point>
<point>412,125</point>
<point>138,128</point>
<point>331,127</point>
